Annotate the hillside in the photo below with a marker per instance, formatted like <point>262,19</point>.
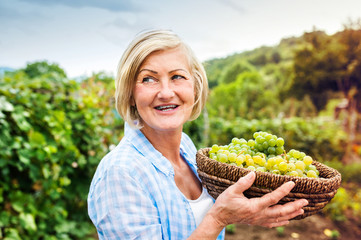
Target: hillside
<point>281,55</point>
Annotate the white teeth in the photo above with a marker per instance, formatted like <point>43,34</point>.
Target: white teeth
<point>166,107</point>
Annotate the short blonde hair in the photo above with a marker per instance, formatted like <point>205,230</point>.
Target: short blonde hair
<point>133,57</point>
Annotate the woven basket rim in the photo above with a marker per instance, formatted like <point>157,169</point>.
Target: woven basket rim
<point>327,184</point>
<point>314,196</point>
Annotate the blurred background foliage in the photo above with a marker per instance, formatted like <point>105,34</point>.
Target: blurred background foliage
<point>54,130</point>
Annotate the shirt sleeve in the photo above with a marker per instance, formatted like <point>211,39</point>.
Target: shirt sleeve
<point>120,208</point>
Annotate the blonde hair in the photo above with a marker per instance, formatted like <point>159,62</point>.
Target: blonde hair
<point>133,57</point>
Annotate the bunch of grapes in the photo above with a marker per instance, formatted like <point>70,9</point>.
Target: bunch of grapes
<point>265,153</point>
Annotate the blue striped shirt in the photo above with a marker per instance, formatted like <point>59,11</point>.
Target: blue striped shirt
<point>133,194</point>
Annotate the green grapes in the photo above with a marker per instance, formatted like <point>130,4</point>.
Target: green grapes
<point>265,153</point>
<point>307,160</point>
<point>300,165</point>
<point>311,173</point>
<point>283,166</point>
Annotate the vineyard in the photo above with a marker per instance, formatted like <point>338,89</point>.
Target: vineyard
<point>54,131</point>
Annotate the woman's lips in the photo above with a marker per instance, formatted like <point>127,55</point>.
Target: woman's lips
<point>165,108</point>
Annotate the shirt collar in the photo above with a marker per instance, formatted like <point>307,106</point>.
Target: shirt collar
<point>144,147</point>
<point>186,155</point>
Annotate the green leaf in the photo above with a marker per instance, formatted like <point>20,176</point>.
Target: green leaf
<point>27,221</point>
<point>36,138</point>
<point>4,218</point>
<point>21,121</point>
<point>18,206</point>
<point>12,234</point>
<point>17,142</point>
<point>50,149</point>
<point>24,159</point>
<point>40,154</point>
<point>5,105</point>
<point>25,155</point>
<point>46,172</point>
<point>59,115</point>
<point>65,227</point>
<point>56,170</point>
<point>3,162</point>
<point>34,172</point>
<point>64,181</point>
<point>48,237</point>
<point>1,195</point>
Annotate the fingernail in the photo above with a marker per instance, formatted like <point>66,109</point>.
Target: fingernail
<point>249,175</point>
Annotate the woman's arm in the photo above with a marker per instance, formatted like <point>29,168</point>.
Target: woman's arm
<point>233,207</point>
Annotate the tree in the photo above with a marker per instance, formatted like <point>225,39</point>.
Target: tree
<point>330,65</point>
<point>234,70</point>
<point>37,69</point>
<point>247,97</point>
<point>317,68</point>
<point>276,57</point>
<point>350,82</point>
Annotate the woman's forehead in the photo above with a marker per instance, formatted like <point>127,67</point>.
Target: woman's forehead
<point>171,59</point>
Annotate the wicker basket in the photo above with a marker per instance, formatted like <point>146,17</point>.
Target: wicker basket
<point>217,176</point>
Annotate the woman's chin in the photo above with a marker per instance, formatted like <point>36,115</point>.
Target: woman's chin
<point>165,126</point>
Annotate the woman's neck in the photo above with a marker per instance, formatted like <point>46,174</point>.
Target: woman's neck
<point>166,142</point>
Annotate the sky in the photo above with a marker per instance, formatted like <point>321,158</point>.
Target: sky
<point>89,36</point>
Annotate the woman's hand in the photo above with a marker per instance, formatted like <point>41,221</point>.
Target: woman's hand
<point>233,207</point>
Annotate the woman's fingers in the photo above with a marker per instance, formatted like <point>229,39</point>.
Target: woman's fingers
<point>279,215</point>
<point>277,224</point>
<point>244,183</point>
<point>231,206</point>
<point>288,210</point>
<point>275,196</point>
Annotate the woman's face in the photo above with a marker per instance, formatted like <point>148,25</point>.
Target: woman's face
<point>164,90</point>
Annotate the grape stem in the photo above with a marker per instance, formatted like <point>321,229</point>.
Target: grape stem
<point>241,152</point>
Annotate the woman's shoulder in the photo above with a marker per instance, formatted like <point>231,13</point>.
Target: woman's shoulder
<point>123,160</point>
<point>124,155</point>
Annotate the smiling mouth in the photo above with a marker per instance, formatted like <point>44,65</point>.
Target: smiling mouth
<point>166,107</point>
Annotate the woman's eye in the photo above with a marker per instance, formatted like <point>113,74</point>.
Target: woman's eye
<point>175,77</point>
<point>148,80</point>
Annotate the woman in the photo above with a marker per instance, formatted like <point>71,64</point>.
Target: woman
<point>147,187</point>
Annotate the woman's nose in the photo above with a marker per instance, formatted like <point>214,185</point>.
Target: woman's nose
<point>166,90</point>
